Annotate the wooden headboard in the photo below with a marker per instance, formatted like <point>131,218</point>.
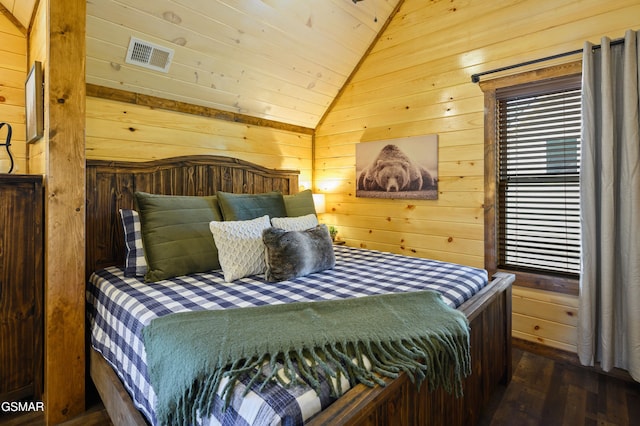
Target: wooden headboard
<point>111,185</point>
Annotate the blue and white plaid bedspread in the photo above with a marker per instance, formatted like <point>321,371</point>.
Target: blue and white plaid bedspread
<point>120,307</point>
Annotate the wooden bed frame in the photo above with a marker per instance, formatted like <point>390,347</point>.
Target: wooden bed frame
<point>110,187</point>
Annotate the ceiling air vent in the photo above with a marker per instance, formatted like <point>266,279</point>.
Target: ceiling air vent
<point>149,55</point>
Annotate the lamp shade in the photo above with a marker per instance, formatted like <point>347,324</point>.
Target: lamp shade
<point>319,204</point>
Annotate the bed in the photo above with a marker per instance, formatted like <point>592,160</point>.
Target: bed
<point>111,187</point>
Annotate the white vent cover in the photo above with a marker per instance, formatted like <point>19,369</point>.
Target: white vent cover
<point>149,55</point>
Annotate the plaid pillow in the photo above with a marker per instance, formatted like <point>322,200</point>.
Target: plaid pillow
<point>135,263</point>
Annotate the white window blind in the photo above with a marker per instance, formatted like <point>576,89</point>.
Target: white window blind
<point>538,177</point>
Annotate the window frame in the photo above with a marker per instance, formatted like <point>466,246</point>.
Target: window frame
<point>546,76</point>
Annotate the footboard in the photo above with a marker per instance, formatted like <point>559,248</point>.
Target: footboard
<point>401,403</point>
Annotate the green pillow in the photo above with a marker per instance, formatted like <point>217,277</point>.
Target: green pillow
<point>251,206</point>
<point>300,204</point>
<point>176,236</point>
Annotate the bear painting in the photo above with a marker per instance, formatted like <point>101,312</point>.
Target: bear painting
<point>393,174</point>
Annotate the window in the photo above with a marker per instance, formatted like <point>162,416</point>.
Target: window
<point>538,180</point>
<point>533,140</point>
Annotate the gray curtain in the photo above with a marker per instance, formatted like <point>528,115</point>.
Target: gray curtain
<point>609,311</point>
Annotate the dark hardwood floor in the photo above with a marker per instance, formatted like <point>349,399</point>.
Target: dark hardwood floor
<point>95,416</point>
<point>549,392</point>
<point>543,391</point>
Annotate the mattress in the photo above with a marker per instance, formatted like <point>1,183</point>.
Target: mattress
<point>119,308</point>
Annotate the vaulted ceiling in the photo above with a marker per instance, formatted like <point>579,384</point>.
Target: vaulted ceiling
<point>282,60</point>
<point>20,9</point>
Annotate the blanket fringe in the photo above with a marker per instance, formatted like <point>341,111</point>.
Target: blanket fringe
<point>411,333</point>
<point>443,361</point>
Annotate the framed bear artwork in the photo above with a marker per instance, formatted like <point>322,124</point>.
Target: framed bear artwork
<point>404,168</point>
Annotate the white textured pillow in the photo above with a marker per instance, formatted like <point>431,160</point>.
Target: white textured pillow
<point>240,246</point>
<point>300,223</point>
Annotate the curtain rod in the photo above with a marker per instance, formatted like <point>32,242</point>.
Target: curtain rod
<point>475,78</point>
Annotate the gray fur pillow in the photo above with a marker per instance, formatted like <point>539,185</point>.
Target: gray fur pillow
<point>291,254</point>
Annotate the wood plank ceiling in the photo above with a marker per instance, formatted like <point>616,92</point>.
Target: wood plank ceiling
<point>282,60</point>
<point>20,9</point>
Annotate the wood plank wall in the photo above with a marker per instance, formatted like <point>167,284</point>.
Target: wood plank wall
<point>38,39</point>
<point>13,65</point>
<point>416,81</point>
<point>119,131</point>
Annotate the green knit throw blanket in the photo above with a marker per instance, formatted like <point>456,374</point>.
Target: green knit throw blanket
<point>189,354</point>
